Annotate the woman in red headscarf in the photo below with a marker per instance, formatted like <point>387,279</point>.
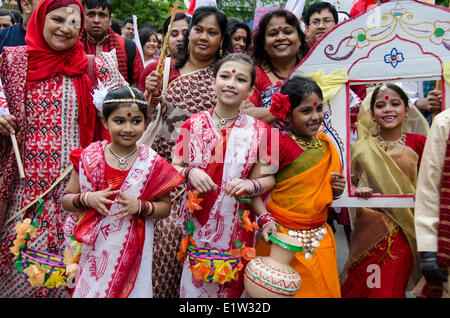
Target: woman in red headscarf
<point>48,100</point>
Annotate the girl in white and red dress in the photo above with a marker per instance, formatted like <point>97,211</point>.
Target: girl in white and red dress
<point>119,190</point>
<point>217,151</point>
<point>48,107</point>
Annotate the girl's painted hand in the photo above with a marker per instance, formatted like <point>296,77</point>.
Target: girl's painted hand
<point>337,183</point>
<point>270,228</point>
<point>239,186</point>
<point>363,192</point>
<point>201,180</point>
<point>129,206</point>
<point>98,200</point>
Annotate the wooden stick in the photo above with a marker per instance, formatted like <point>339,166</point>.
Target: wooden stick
<point>18,159</point>
<point>439,87</point>
<point>163,54</point>
<point>61,177</point>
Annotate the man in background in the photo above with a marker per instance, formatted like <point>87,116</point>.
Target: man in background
<point>6,19</point>
<point>15,35</point>
<point>99,37</point>
<point>128,29</point>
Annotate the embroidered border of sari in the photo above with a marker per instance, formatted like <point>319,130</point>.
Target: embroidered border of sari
<point>301,202</point>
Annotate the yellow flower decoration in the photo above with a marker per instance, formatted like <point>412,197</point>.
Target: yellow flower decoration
<point>201,270</point>
<point>36,274</point>
<point>17,244</point>
<point>24,228</point>
<point>224,273</point>
<point>77,246</point>
<point>71,262</point>
<point>57,280</point>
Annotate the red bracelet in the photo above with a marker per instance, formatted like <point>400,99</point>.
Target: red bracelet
<point>265,219</point>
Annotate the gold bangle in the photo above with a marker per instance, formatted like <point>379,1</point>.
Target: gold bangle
<point>150,210</point>
<point>140,207</point>
<point>84,199</point>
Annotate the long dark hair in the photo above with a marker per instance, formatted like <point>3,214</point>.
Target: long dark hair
<point>233,25</point>
<point>259,54</point>
<point>298,88</point>
<point>145,35</point>
<point>198,15</point>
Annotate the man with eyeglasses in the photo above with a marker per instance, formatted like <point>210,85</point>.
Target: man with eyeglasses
<point>319,18</point>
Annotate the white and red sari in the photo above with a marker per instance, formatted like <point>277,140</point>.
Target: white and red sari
<point>47,113</point>
<point>116,256</point>
<point>225,155</point>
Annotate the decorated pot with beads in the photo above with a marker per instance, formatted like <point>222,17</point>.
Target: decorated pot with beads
<point>272,276</point>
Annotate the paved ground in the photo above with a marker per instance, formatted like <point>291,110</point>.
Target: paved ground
<point>341,246</point>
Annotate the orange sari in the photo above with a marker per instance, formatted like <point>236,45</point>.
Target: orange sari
<point>300,202</point>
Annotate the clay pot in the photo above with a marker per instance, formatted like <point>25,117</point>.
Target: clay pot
<point>272,276</point>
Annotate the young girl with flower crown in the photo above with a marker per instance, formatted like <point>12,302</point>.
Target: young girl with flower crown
<point>384,160</point>
<point>307,179</point>
<point>219,152</point>
<point>118,190</point>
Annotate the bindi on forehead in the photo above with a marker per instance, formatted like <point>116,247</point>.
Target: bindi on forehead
<point>315,104</point>
<point>386,97</point>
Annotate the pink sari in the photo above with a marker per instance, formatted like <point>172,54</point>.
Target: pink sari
<point>116,257</point>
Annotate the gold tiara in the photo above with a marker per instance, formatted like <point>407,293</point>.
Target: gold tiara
<point>125,100</point>
<point>133,100</point>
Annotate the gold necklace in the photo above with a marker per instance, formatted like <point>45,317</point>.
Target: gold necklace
<point>386,144</point>
<point>314,144</point>
<point>122,161</point>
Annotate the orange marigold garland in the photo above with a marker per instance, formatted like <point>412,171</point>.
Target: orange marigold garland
<point>215,265</point>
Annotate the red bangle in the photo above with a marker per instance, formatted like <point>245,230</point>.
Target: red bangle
<point>265,219</point>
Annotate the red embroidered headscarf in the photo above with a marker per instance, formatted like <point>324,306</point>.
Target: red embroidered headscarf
<point>44,62</point>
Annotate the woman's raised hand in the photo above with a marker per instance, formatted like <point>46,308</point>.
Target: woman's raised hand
<point>153,83</point>
<point>8,125</point>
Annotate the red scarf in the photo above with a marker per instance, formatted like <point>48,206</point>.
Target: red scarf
<point>44,62</point>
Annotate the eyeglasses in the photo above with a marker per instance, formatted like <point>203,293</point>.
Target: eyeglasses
<point>327,22</point>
